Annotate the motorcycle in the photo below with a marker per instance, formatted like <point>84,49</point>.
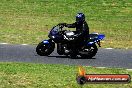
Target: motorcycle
<point>65,41</point>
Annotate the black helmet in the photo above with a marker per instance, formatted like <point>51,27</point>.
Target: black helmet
<point>80,17</point>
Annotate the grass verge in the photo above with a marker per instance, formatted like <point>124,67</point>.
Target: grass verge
<point>27,75</point>
<point>28,21</point>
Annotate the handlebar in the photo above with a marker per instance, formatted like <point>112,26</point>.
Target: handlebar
<point>60,26</point>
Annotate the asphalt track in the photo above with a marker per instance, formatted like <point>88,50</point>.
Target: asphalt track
<point>119,58</point>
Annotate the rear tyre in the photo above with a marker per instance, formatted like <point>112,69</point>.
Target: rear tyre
<point>45,49</point>
<point>91,51</point>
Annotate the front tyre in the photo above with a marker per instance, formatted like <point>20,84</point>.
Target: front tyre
<point>45,49</point>
<point>91,51</point>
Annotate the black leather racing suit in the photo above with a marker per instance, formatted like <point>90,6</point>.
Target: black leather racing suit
<point>82,33</point>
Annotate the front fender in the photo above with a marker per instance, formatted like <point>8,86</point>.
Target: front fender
<point>45,41</point>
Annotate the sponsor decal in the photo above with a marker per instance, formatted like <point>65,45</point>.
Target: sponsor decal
<point>83,78</point>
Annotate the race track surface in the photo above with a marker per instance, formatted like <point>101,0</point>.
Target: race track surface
<point>120,58</point>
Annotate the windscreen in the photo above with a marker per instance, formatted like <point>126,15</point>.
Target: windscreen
<point>55,30</point>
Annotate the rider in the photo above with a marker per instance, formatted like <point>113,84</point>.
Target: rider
<point>82,29</point>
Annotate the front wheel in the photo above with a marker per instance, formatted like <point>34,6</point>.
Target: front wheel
<point>45,49</point>
<point>91,51</point>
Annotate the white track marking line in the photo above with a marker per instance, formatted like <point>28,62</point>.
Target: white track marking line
<point>109,48</point>
<point>100,67</point>
<point>3,43</point>
<point>129,69</point>
<point>24,44</point>
<point>8,43</point>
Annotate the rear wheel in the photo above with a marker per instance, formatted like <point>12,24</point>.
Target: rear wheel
<point>91,51</point>
<point>45,49</point>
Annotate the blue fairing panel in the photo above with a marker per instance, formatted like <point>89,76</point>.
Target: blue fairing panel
<point>45,41</point>
<point>101,36</point>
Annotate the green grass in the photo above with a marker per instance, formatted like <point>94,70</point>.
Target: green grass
<point>27,75</point>
<point>28,21</point>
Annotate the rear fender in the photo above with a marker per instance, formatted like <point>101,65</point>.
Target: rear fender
<point>101,36</point>
<point>97,40</point>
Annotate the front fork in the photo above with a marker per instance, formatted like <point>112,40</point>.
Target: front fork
<point>98,42</point>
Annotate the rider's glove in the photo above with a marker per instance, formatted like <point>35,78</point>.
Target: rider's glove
<point>63,24</point>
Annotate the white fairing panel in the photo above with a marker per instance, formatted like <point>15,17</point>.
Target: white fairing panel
<point>70,33</point>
